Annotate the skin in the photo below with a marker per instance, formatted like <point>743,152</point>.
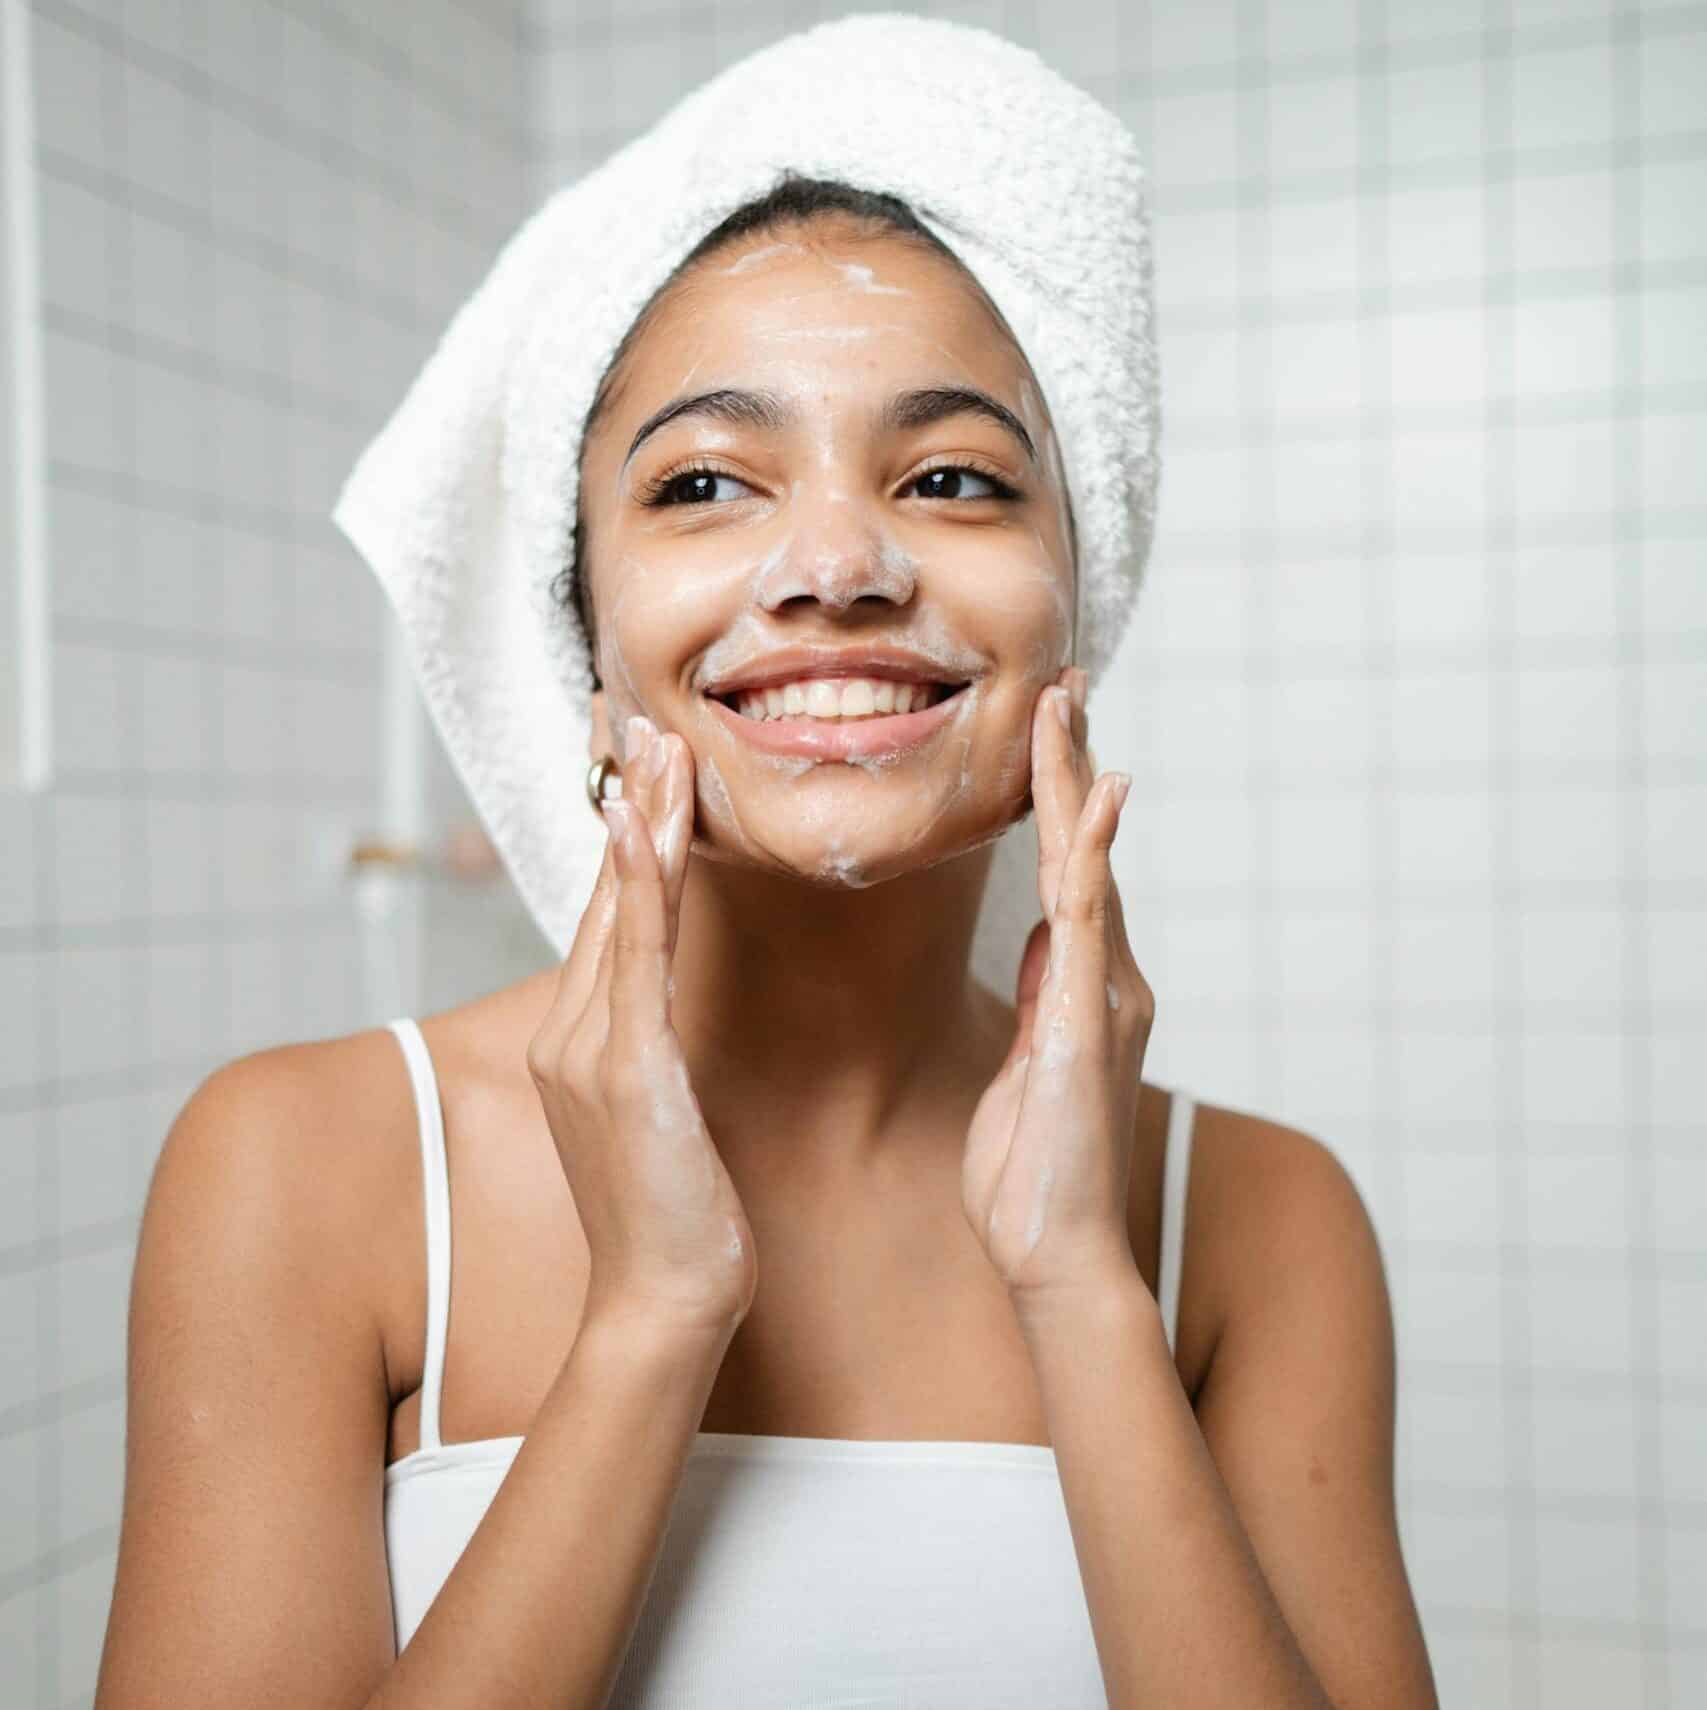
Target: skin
<point>817,535</point>
<point>872,1104</point>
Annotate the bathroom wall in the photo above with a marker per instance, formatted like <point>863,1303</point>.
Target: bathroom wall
<point>1412,700</point>
<point>1414,704</point>
<point>255,219</point>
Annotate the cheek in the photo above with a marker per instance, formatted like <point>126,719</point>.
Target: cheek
<point>657,613</point>
<point>1028,595</point>
<point>1028,601</point>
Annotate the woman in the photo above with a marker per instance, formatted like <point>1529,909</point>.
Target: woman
<point>818,1333</point>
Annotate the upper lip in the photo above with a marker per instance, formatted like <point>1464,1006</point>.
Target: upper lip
<point>794,664</point>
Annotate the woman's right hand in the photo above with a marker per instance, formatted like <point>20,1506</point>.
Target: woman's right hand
<point>669,1239</point>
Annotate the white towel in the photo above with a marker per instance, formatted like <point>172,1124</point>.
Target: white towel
<point>464,505</point>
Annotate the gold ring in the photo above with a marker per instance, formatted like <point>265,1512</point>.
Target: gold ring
<point>605,767</point>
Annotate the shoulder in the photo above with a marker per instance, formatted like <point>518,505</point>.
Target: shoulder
<point>297,1123</point>
<point>1285,1189</point>
<point>256,1395</point>
<point>1274,1215</point>
<point>283,1172</point>
<point>1298,1409</point>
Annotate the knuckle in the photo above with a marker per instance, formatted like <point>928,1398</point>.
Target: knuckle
<point>580,1064</point>
<point>635,937</point>
<point>617,1081</point>
<point>1086,905</point>
<point>544,1055</point>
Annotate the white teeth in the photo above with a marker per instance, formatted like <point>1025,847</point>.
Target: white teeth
<point>837,698</point>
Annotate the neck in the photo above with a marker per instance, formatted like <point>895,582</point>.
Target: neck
<point>824,1020</point>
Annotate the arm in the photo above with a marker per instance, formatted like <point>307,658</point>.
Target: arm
<point>1248,1554</point>
<point>252,1557</point>
<point>542,1605</point>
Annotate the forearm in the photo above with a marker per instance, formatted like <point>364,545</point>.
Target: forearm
<point>541,1606</point>
<point>1179,1607</point>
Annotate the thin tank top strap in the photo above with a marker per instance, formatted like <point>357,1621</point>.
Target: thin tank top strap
<point>436,1191</point>
<point>1176,1170</point>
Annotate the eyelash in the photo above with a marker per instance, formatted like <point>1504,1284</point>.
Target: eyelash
<point>652,491</point>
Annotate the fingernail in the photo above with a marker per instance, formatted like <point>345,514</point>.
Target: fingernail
<point>1081,686</point>
<point>1064,708</point>
<point>633,737</point>
<point>1123,783</point>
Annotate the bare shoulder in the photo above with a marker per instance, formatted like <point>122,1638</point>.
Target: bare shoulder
<point>311,1124</point>
<point>1270,1207</point>
<point>251,1559</point>
<point>1275,1182</point>
<point>297,1157</point>
<point>1298,1406</point>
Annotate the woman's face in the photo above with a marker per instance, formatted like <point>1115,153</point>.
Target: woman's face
<point>829,535</point>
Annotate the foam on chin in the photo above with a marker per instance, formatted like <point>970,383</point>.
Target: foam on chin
<point>838,865</point>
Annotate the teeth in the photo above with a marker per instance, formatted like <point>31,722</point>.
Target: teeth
<point>837,698</point>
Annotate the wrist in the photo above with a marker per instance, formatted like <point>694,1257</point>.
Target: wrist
<point>635,1331</point>
<point>1108,1299</point>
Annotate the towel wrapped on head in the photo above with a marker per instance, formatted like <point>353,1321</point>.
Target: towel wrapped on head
<point>464,505</point>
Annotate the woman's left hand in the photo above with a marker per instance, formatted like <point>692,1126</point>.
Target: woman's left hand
<point>1049,1152</point>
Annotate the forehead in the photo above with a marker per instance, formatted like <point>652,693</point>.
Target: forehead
<point>826,305</point>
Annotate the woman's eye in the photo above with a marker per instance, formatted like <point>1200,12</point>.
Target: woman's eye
<point>699,486</point>
<point>688,487</point>
<point>949,482</point>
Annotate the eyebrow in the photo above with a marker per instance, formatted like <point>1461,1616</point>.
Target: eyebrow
<point>915,408</point>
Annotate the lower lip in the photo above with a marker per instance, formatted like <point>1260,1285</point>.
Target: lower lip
<point>846,739</point>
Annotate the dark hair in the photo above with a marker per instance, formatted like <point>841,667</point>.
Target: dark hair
<point>793,200</point>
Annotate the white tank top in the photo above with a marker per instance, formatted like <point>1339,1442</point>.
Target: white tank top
<point>812,1573</point>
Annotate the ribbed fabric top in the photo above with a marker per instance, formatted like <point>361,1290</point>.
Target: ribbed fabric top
<point>812,1573</point>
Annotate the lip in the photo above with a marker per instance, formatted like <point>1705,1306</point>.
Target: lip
<point>850,739</point>
<point>793,664</point>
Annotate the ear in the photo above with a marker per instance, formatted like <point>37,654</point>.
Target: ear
<point>598,737</point>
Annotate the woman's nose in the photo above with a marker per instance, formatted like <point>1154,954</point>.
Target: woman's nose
<point>838,553</point>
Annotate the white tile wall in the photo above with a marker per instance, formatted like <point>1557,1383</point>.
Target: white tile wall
<point>1415,691</point>
<point>216,353</point>
<point>1416,697</point>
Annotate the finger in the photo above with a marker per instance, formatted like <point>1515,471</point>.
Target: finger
<point>641,775</point>
<point>591,992</point>
<point>1084,762</point>
<point>578,971</point>
<point>1087,877</point>
<point>1052,828</point>
<point>1119,943</point>
<point>639,786</point>
<point>678,829</point>
<point>1057,782</point>
<point>638,975</point>
<point>1073,1005</point>
<point>1033,963</point>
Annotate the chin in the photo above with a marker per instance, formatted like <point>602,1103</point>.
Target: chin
<point>874,847</point>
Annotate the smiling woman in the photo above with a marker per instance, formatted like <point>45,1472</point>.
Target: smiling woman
<point>821,1327</point>
<point>863,485</point>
